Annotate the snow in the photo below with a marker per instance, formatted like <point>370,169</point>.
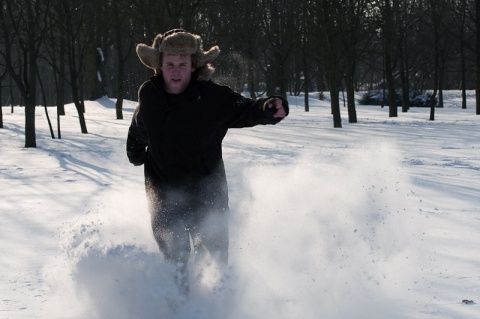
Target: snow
<point>378,219</point>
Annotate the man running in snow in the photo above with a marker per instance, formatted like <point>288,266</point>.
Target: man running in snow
<point>177,132</point>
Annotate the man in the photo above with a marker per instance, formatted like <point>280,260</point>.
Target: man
<point>177,132</point>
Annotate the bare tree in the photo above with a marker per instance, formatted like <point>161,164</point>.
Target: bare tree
<point>279,38</point>
<point>435,18</point>
<point>388,38</point>
<point>353,30</point>
<point>304,26</point>
<point>23,24</point>
<point>123,29</point>
<point>182,13</point>
<point>235,24</point>
<point>477,27</point>
<point>462,18</point>
<point>76,21</point>
<point>2,77</point>
<point>406,20</point>
<point>54,57</point>
<point>327,34</point>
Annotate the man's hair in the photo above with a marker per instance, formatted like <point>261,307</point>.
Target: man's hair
<point>192,56</point>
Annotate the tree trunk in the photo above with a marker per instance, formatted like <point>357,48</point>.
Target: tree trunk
<point>120,87</point>
<point>306,78</point>
<point>432,105</point>
<point>388,34</point>
<point>440,85</point>
<point>11,95</point>
<point>251,79</point>
<point>436,57</point>
<point>59,132</point>
<point>477,86</point>
<point>334,95</point>
<point>464,81</point>
<point>80,108</point>
<point>1,103</point>
<point>335,100</point>
<point>81,118</point>
<point>280,80</point>
<point>404,79</point>
<point>31,102</point>
<point>95,72</point>
<point>350,88</point>
<point>392,105</point>
<point>120,64</point>
<point>61,81</point>
<point>462,57</point>
<point>30,135</point>
<point>434,94</point>
<point>45,106</point>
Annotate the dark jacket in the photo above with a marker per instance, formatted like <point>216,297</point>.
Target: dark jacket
<point>179,137</point>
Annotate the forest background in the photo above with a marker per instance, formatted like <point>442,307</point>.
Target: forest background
<point>54,52</point>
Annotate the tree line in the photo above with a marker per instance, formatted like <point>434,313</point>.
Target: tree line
<point>54,52</point>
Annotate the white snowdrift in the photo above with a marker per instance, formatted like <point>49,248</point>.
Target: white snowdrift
<point>378,219</point>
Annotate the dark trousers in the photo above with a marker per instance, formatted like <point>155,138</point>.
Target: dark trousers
<point>182,220</point>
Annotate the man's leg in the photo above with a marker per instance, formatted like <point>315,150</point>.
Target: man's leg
<point>210,237</point>
<point>174,243</point>
<point>170,232</point>
<point>210,242</point>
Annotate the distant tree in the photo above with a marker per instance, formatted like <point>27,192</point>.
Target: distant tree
<point>2,77</point>
<point>76,20</point>
<point>235,25</point>
<point>435,17</point>
<point>23,30</point>
<point>54,57</point>
<point>477,29</point>
<point>151,16</point>
<point>354,30</point>
<point>124,31</point>
<point>279,39</point>
<point>462,41</point>
<point>388,39</point>
<point>461,17</point>
<point>183,13</point>
<point>327,35</point>
<point>44,96</point>
<point>306,22</point>
<point>406,19</point>
<point>95,56</point>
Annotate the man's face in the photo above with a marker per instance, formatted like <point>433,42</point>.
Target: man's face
<point>177,72</point>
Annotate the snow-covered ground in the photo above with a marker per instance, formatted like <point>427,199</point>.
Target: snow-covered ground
<point>379,219</point>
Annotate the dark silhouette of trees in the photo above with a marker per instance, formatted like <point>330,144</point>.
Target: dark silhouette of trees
<point>83,49</point>
<point>23,30</point>
<point>477,51</point>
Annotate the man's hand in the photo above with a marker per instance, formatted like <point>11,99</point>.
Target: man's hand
<point>276,104</point>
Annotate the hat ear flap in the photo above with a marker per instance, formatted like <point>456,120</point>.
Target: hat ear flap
<point>149,56</point>
<point>208,56</point>
<point>157,41</point>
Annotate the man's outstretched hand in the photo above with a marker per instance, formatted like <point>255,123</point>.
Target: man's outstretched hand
<point>276,105</point>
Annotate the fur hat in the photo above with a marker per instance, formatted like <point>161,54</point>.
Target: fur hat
<point>177,41</point>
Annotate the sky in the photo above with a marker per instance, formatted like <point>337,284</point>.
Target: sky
<point>378,219</point>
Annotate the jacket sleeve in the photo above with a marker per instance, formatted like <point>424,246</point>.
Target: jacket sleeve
<point>137,141</point>
<point>251,112</point>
